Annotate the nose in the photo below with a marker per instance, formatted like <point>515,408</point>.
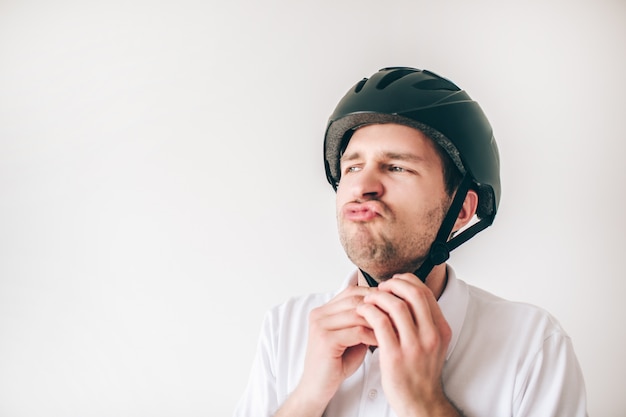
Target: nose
<point>367,184</point>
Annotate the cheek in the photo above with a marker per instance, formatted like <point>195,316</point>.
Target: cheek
<point>339,203</point>
<point>341,196</point>
<point>416,211</point>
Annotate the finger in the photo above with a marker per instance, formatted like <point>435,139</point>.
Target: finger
<point>431,323</point>
<point>416,294</point>
<point>353,295</point>
<point>381,324</point>
<point>358,335</point>
<point>353,290</point>
<point>346,300</point>
<point>320,320</point>
<point>444,332</point>
<point>339,340</point>
<point>399,313</point>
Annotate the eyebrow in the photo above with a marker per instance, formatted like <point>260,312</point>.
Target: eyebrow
<point>397,156</point>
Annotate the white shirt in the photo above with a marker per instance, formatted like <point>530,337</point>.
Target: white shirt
<point>504,359</point>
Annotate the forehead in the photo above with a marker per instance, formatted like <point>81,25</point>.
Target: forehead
<point>391,138</point>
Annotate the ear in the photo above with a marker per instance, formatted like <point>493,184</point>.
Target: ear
<point>467,211</point>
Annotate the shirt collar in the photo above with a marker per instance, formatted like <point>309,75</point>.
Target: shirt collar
<point>453,303</point>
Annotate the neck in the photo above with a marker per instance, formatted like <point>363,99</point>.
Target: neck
<point>436,280</point>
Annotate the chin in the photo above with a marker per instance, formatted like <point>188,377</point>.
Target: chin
<point>389,270</point>
<point>381,274</point>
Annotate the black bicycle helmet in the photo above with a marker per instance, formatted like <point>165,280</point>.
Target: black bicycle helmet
<point>442,111</point>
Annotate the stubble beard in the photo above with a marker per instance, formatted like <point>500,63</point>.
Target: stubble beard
<point>395,247</point>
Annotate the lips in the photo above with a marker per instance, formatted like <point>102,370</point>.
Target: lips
<point>362,212</point>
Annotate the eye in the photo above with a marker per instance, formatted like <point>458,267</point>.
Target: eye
<point>395,168</point>
<point>352,168</point>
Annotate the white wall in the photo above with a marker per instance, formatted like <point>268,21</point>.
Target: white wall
<point>161,182</point>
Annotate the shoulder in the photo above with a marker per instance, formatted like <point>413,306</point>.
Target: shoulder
<point>529,344</point>
<point>519,317</point>
<point>478,315</point>
<point>290,318</point>
<point>516,334</point>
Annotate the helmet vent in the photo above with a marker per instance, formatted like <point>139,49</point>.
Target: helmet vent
<point>359,86</point>
<point>436,84</point>
<point>393,76</point>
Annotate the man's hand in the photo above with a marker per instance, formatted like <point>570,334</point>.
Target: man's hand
<point>413,338</point>
<point>338,341</point>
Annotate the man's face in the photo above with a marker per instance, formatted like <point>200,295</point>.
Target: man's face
<point>391,198</point>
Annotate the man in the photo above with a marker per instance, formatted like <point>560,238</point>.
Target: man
<point>416,170</point>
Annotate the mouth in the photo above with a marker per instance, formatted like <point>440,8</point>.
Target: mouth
<point>362,212</point>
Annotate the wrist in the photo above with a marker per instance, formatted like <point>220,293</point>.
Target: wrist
<point>437,407</point>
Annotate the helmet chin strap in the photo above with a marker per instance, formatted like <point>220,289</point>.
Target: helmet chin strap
<point>440,249</point>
